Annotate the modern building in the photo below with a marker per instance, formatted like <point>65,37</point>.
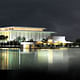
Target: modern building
<point>13,32</point>
<point>60,39</point>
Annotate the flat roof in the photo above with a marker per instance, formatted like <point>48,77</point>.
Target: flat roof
<point>21,28</point>
<point>31,31</point>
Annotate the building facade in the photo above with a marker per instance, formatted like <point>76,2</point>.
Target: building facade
<point>13,32</point>
<point>61,39</point>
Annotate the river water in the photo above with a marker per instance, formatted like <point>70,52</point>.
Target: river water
<point>49,60</point>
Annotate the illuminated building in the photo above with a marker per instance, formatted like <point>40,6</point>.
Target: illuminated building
<point>60,39</point>
<point>37,34</point>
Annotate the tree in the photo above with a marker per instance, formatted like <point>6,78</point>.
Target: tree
<point>2,37</point>
<point>18,39</point>
<point>23,39</point>
<point>44,40</point>
<point>77,40</point>
<point>31,40</point>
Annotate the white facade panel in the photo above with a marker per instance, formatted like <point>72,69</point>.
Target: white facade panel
<point>36,36</point>
<point>59,38</point>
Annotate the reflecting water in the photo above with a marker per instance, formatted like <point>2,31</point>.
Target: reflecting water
<point>46,59</point>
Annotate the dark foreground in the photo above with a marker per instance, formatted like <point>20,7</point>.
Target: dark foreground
<point>39,75</point>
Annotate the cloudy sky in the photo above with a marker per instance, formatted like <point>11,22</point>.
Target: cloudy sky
<point>62,16</point>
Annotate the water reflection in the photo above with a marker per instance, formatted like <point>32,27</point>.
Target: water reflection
<point>49,59</point>
<point>27,51</point>
<point>8,59</point>
<point>57,59</point>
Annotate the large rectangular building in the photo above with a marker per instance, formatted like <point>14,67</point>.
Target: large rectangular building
<point>13,32</point>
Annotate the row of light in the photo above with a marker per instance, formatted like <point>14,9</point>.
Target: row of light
<point>51,41</point>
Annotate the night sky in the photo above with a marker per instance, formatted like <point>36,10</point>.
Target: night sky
<point>62,16</point>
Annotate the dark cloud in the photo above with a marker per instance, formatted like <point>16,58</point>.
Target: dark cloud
<point>62,16</point>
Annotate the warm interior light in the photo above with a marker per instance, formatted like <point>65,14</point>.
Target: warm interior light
<point>22,28</point>
<point>44,43</point>
<point>39,42</point>
<point>50,40</point>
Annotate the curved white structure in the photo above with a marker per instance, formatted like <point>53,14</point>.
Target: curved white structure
<point>61,39</point>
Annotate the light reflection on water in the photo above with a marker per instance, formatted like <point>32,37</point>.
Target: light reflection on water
<point>49,59</point>
<point>8,59</point>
